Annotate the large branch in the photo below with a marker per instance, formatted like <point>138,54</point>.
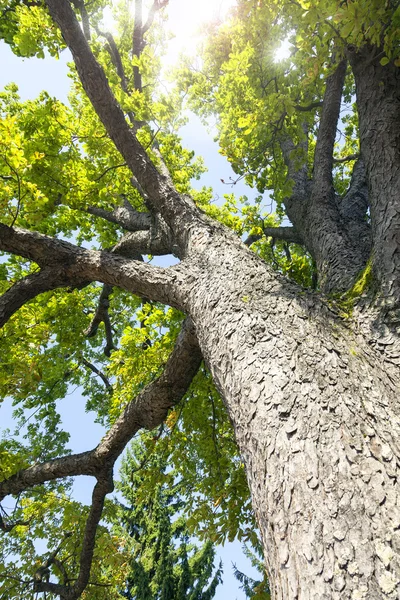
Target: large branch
<point>59,468</point>
<point>323,162</point>
<point>337,253</point>
<point>161,194</point>
<point>353,208</point>
<point>144,242</point>
<point>297,168</point>
<point>168,389</point>
<point>28,288</point>
<point>79,264</point>
<point>129,219</point>
<point>147,410</point>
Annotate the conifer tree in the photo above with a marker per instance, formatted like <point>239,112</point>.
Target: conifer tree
<point>165,564</point>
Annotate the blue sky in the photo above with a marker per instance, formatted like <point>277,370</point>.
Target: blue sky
<point>32,76</point>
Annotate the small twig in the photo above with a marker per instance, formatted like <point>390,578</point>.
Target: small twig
<point>98,373</point>
<point>110,169</point>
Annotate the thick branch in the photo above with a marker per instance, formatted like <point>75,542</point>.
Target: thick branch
<point>323,162</point>
<point>353,209</point>
<point>337,252</point>
<point>295,158</point>
<point>66,466</point>
<point>28,288</point>
<point>162,197</point>
<point>131,220</point>
<point>143,242</point>
<point>354,204</point>
<point>79,264</point>
<point>147,410</point>
<point>287,234</point>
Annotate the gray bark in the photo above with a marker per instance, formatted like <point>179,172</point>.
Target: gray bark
<point>378,102</point>
<point>317,421</point>
<point>312,402</point>
<point>334,230</point>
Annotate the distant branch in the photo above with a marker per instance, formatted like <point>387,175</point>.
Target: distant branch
<point>115,56</point>
<point>161,196</point>
<point>287,234</point>
<point>80,5</point>
<point>157,5</point>
<point>9,526</point>
<point>346,158</point>
<point>99,373</point>
<point>309,107</point>
<point>103,487</point>
<point>101,316</point>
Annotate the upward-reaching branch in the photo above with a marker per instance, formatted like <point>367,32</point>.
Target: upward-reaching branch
<point>323,163</point>
<point>161,195</point>
<point>137,43</point>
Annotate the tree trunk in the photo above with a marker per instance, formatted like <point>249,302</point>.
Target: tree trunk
<point>312,403</point>
<point>317,425</point>
<point>378,101</point>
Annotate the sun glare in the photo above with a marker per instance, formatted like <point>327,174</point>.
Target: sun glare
<point>184,22</point>
<point>283,51</point>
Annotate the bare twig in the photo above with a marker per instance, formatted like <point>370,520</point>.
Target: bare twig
<point>99,373</point>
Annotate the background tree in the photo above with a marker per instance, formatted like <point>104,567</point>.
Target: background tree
<point>311,390</point>
<point>254,589</point>
<point>163,562</point>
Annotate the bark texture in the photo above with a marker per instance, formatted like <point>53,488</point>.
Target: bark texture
<point>378,101</point>
<point>333,229</point>
<point>313,403</point>
<point>316,418</point>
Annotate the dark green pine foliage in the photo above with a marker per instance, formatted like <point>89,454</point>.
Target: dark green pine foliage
<point>254,589</point>
<point>164,564</point>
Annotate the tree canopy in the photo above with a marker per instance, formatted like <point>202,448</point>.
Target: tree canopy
<point>94,192</point>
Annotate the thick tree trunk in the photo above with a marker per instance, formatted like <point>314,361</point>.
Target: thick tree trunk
<point>316,421</point>
<point>312,404</point>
